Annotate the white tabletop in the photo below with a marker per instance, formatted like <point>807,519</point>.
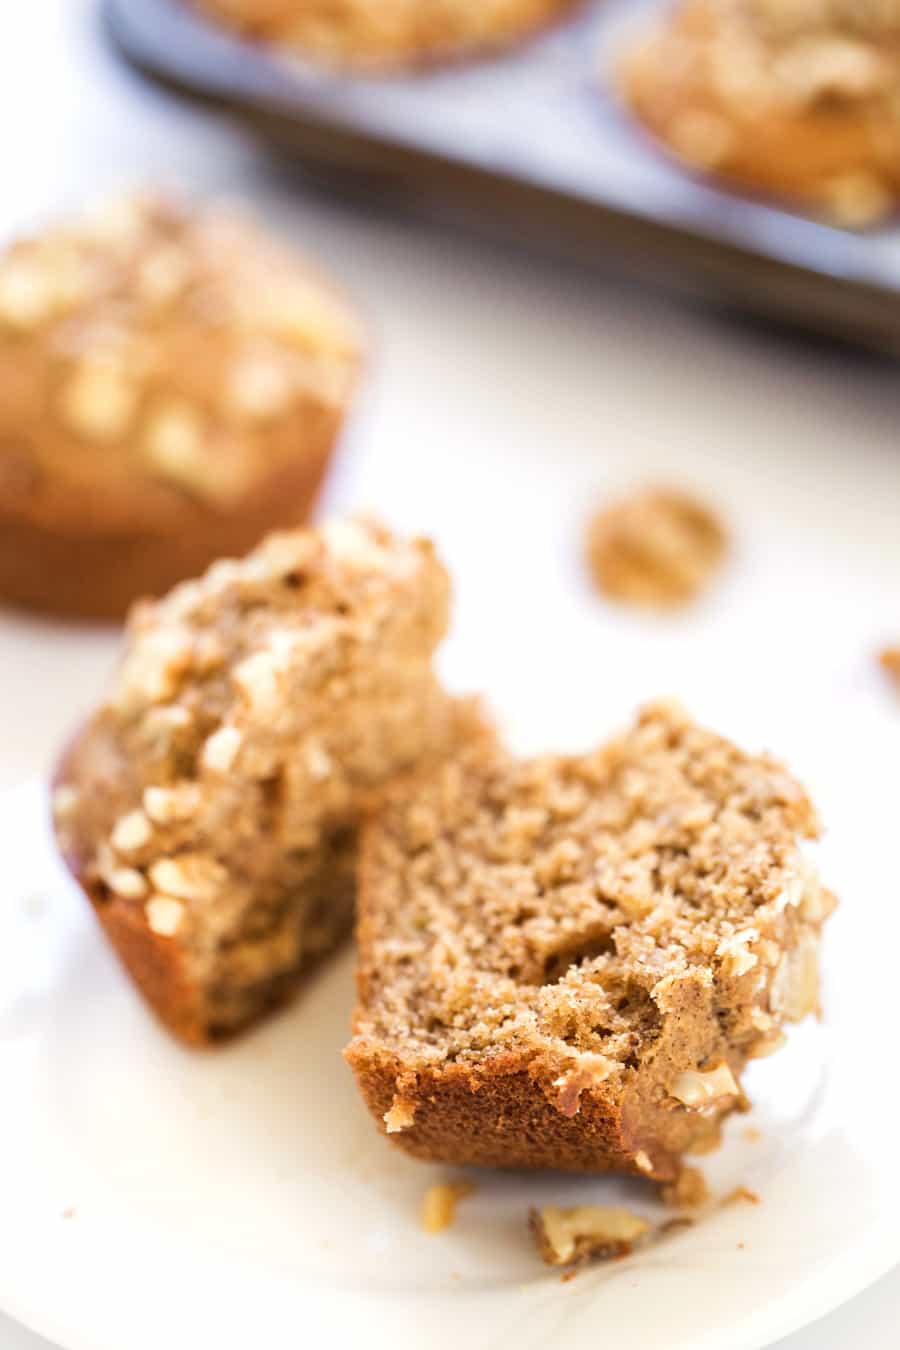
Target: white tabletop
<point>652,377</point>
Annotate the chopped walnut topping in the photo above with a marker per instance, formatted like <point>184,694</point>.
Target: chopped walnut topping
<point>131,832</point>
<point>165,806</point>
<point>127,882</point>
<point>188,877</point>
<point>440,1202</point>
<point>222,749</point>
<point>738,960</point>
<point>163,274</point>
<point>657,548</point>
<point>26,295</point>
<point>260,387</point>
<point>174,441</point>
<point>164,915</point>
<point>99,400</point>
<point>260,678</point>
<point>587,1231</point>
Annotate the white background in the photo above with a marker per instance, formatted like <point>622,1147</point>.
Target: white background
<point>504,349</point>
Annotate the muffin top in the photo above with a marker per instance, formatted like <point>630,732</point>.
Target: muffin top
<point>873,18</point>
<point>386,34</point>
<point>153,356</point>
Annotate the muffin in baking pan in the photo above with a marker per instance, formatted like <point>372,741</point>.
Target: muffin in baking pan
<point>172,385</point>
<point>387,35</point>
<point>797,99</point>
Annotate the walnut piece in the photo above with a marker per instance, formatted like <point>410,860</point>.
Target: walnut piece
<point>567,1235</point>
<point>657,548</point>
<point>440,1202</point>
<point>694,1089</point>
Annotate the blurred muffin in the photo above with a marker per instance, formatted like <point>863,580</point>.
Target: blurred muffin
<point>797,98</point>
<point>387,34</point>
<point>171,388</point>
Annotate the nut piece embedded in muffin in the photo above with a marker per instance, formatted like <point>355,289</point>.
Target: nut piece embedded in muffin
<point>794,98</point>
<point>658,548</point>
<point>209,809</point>
<point>388,35</point>
<point>567,962</point>
<point>172,384</point>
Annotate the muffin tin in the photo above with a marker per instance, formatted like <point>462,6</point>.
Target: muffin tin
<point>533,146</point>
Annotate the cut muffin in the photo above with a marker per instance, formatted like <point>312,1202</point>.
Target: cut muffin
<point>209,808</point>
<point>566,963</point>
<point>387,34</point>
<point>171,388</point>
<point>797,98</point>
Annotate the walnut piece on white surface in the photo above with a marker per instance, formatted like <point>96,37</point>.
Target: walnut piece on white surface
<point>657,548</point>
<point>564,1236</point>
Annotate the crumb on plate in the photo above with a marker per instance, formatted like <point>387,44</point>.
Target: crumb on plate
<point>658,548</point>
<point>440,1202</point>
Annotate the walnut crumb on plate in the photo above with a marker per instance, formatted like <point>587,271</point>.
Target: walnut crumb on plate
<point>440,1202</point>
<point>564,1236</point>
<point>658,548</point>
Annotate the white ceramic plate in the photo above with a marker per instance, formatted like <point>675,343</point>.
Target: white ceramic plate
<point>152,1197</point>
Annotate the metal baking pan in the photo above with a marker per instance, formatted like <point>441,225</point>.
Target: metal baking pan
<point>534,146</point>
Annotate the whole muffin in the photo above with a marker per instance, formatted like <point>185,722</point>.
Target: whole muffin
<point>796,98</point>
<point>172,384</point>
<point>387,34</point>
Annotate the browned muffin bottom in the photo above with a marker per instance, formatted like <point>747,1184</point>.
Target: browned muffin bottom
<point>171,387</point>
<point>209,808</point>
<point>388,34</point>
<point>567,962</point>
<point>795,98</point>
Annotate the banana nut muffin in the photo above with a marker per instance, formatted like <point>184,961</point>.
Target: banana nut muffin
<point>388,34</point>
<point>567,962</point>
<point>798,98</point>
<point>171,387</point>
<point>209,808</point>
